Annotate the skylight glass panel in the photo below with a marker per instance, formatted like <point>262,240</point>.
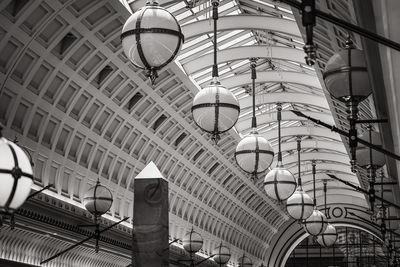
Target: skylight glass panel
<point>183,15</point>
<point>288,18</point>
<point>225,6</point>
<point>201,73</point>
<point>194,41</point>
<point>240,92</point>
<point>228,35</point>
<point>239,64</point>
<point>204,80</point>
<point>176,7</point>
<point>285,10</point>
<point>235,41</point>
<point>234,12</point>
<point>194,51</point>
<point>297,41</point>
<point>264,3</point>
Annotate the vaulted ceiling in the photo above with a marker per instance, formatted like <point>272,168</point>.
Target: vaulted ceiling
<point>73,99</point>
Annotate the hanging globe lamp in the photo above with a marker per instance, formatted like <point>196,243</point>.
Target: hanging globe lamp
<point>151,38</point>
<point>315,224</point>
<point>98,200</point>
<point>215,109</point>
<point>346,78</point>
<point>279,183</point>
<point>346,75</point>
<point>300,204</point>
<point>245,261</point>
<point>254,154</point>
<point>221,254</point>
<point>192,242</point>
<point>16,176</point>
<point>328,237</point>
<point>363,152</point>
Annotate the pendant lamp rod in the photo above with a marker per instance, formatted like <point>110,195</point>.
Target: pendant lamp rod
<point>253,64</point>
<point>348,26</point>
<point>347,134</point>
<point>279,117</point>
<point>298,157</point>
<point>383,222</point>
<point>325,191</point>
<point>215,4</point>
<point>313,174</point>
<point>371,191</point>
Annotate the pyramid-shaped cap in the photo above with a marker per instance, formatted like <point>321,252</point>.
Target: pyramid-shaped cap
<point>150,172</point>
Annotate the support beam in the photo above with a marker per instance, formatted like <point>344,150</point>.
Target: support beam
<point>241,22</point>
<point>245,52</point>
<point>335,146</point>
<point>273,98</point>
<point>341,160</point>
<point>303,131</point>
<point>270,117</point>
<point>273,77</point>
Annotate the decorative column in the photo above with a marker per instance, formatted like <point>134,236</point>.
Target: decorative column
<point>150,219</point>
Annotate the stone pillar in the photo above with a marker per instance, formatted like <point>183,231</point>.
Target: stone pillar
<point>150,219</point>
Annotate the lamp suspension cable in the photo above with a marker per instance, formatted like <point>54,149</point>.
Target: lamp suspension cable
<point>372,174</point>
<point>215,4</point>
<point>383,210</point>
<point>371,162</point>
<point>279,117</point>
<point>325,191</point>
<point>352,107</point>
<point>298,157</point>
<point>313,173</point>
<point>253,64</point>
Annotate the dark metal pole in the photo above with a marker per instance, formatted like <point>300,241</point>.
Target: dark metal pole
<point>83,241</point>
<point>359,189</point>
<point>325,191</point>
<point>347,134</point>
<point>313,173</point>
<point>40,191</point>
<point>298,157</point>
<point>215,4</point>
<point>253,79</point>
<point>279,117</point>
<point>348,26</point>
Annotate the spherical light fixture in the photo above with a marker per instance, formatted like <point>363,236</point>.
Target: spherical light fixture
<point>151,38</point>
<point>328,237</point>
<point>346,75</point>
<point>215,109</point>
<point>347,80</point>
<point>300,204</point>
<point>98,200</point>
<point>245,261</point>
<point>254,154</point>
<point>192,242</point>
<point>317,222</point>
<point>363,152</point>
<point>16,176</point>
<point>279,183</point>
<point>221,254</point>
